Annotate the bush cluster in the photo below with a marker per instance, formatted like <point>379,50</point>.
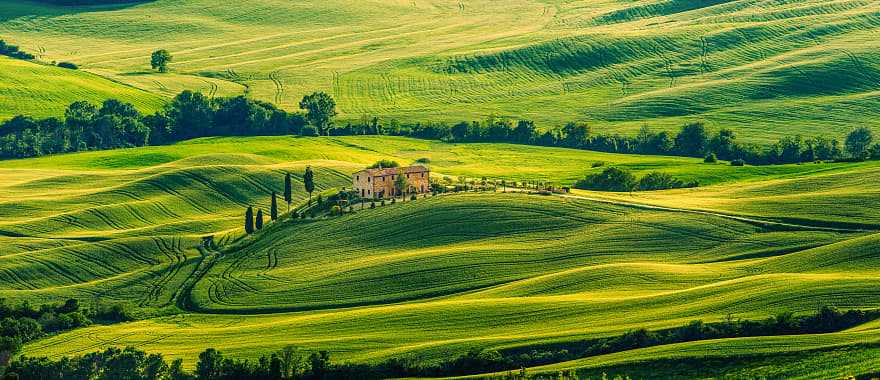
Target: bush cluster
<point>621,180</point>
<point>192,115</point>
<point>289,363</point>
<point>13,51</point>
<point>23,323</point>
<point>119,125</point>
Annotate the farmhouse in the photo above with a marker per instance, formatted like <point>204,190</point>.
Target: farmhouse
<point>380,183</point>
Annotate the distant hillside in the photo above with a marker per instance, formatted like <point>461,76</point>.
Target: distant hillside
<point>90,2</point>
<point>42,90</point>
<point>764,69</point>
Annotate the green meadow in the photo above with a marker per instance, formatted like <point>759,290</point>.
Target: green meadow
<point>440,275</point>
<point>763,69</point>
<point>437,277</point>
<point>41,91</point>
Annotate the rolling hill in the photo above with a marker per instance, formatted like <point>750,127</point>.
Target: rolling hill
<point>762,68</point>
<point>440,275</point>
<point>40,91</point>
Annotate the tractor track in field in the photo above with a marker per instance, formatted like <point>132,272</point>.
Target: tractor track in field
<point>209,259</point>
<point>764,223</point>
<point>279,86</point>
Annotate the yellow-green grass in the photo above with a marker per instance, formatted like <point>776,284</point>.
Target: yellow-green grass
<point>90,201</point>
<point>763,69</point>
<point>429,278</point>
<point>432,286</point>
<point>474,243</point>
<point>835,198</point>
<point>823,356</point>
<point>37,90</point>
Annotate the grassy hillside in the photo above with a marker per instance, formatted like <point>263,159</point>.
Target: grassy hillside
<point>764,69</point>
<point>540,270</point>
<point>436,276</point>
<point>38,90</point>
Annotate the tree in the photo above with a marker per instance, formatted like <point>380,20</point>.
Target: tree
<point>259,222</point>
<point>249,220</point>
<point>190,114</point>
<point>723,143</point>
<point>576,135</point>
<point>160,60</point>
<point>693,140</point>
<point>525,132</point>
<point>210,365</point>
<point>659,181</point>
<point>610,179</point>
<point>321,109</point>
<point>320,363</point>
<point>288,191</point>
<point>858,142</point>
<point>273,211</point>
<point>309,182</point>
<point>711,158</point>
<point>401,184</point>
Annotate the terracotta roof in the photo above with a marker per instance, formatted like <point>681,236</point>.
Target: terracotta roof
<point>395,171</point>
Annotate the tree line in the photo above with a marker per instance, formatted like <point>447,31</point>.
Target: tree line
<point>621,180</point>
<point>192,115</point>
<point>293,364</point>
<point>91,2</point>
<point>13,51</point>
<point>22,323</point>
<point>116,124</point>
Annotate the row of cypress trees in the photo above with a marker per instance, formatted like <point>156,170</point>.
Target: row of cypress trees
<point>253,223</point>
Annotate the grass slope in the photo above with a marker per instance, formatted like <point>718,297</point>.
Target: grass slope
<point>764,69</point>
<point>427,278</point>
<point>541,270</point>
<point>38,90</point>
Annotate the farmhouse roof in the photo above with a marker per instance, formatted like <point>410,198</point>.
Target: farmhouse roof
<point>394,171</point>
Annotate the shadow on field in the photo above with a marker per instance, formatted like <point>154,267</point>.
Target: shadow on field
<point>11,10</point>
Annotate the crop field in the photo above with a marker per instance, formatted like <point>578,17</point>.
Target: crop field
<point>762,68</point>
<point>439,275</point>
<point>41,91</point>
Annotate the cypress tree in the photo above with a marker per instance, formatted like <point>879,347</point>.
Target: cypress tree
<point>288,191</point>
<point>273,212</point>
<point>259,221</point>
<point>249,220</point>
<point>309,182</point>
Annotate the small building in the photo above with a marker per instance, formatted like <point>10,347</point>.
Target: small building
<point>380,183</point>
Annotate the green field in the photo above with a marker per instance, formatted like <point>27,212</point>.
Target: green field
<point>41,91</point>
<point>440,275</point>
<point>437,277</point>
<point>764,69</point>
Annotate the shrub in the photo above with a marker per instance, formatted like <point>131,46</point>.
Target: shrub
<point>711,158</point>
<point>875,152</point>
<point>423,160</point>
<point>372,204</point>
<point>659,181</point>
<point>610,179</point>
<point>384,164</point>
<point>68,65</point>
<point>738,162</point>
<point>598,164</point>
